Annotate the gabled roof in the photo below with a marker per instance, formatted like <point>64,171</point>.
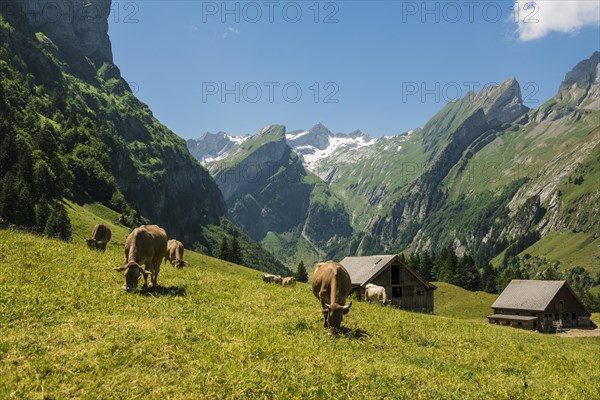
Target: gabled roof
<point>530,295</point>
<point>363,269</point>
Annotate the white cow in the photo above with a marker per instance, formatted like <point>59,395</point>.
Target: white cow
<point>376,293</point>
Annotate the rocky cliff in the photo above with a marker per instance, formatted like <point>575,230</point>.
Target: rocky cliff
<point>581,85</point>
<point>82,24</point>
<point>108,139</point>
<point>495,172</point>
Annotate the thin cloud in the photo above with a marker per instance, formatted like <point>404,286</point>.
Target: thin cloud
<point>537,19</point>
<point>230,30</point>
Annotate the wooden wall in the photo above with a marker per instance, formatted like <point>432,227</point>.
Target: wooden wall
<point>415,296</point>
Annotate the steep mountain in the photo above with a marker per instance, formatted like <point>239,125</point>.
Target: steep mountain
<point>210,147</point>
<point>273,198</point>
<point>484,175</point>
<point>318,144</point>
<point>71,128</point>
<point>314,145</point>
<point>496,171</point>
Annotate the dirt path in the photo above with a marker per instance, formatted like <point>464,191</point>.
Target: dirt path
<point>575,333</point>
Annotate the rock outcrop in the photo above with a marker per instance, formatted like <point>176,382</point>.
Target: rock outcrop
<point>79,23</point>
<point>581,86</point>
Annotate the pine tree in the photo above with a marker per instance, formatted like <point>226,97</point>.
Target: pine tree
<point>301,274</point>
<point>446,266</point>
<point>223,249</point>
<point>16,203</point>
<point>467,275</point>
<point>42,213</point>
<point>58,225</point>
<point>488,279</point>
<point>235,255</point>
<point>426,266</point>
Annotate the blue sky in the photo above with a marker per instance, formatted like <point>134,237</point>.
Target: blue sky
<point>383,67</point>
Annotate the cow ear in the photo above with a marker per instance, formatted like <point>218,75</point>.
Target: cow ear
<point>120,269</point>
<point>145,272</point>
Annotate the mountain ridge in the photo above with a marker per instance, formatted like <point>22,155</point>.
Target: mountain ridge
<point>396,189</point>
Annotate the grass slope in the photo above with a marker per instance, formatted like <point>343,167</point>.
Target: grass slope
<point>85,217</point>
<point>456,302</point>
<point>571,249</point>
<point>216,331</point>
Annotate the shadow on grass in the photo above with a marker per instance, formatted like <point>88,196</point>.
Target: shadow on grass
<point>353,333</point>
<point>171,291</point>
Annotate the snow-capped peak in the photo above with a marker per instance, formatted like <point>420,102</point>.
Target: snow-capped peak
<point>210,147</point>
<point>319,143</point>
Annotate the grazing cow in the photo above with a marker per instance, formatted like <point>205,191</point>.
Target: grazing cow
<point>331,284</point>
<point>277,279</point>
<point>376,293</point>
<point>100,237</point>
<point>175,253</point>
<point>147,246</point>
<point>289,281</point>
<point>268,278</point>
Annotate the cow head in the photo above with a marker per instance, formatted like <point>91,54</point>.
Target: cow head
<point>179,263</point>
<point>92,243</point>
<point>334,314</point>
<point>133,272</point>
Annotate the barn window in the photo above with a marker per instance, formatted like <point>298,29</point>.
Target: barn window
<point>420,292</point>
<point>395,274</point>
<point>520,324</point>
<point>397,291</point>
<point>574,316</point>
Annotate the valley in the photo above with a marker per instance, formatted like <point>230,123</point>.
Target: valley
<point>484,172</point>
<point>489,190</point>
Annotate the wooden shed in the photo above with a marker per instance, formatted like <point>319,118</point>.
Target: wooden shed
<point>404,287</point>
<point>539,305</point>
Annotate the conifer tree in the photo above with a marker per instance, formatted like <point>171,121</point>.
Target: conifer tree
<point>301,274</point>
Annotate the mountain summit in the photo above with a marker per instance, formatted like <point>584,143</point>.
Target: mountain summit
<point>582,84</point>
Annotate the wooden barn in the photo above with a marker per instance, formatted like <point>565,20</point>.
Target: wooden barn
<point>404,287</point>
<point>542,306</point>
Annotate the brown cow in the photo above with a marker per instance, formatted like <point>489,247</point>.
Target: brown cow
<point>331,284</point>
<point>100,237</point>
<point>288,281</point>
<point>175,253</point>
<point>147,246</point>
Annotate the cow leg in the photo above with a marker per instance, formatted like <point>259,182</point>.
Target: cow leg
<point>145,281</point>
<point>155,273</point>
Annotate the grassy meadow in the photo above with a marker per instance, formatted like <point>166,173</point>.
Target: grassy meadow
<point>215,330</point>
<point>456,302</point>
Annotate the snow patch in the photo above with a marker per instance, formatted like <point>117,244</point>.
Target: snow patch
<point>238,139</point>
<point>335,144</point>
<point>296,136</point>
